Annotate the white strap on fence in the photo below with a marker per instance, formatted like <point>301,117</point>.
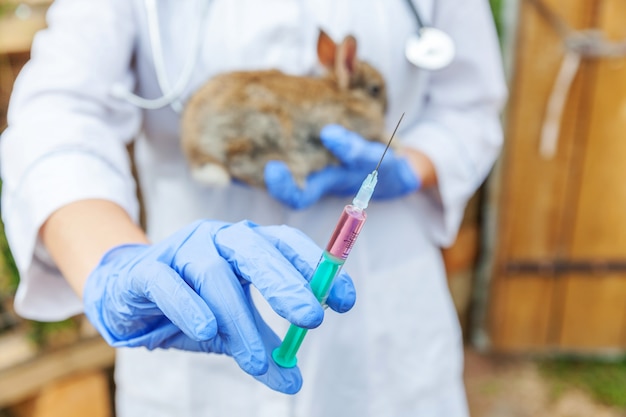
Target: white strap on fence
<point>578,45</point>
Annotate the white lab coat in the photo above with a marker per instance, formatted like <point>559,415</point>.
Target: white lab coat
<point>399,351</point>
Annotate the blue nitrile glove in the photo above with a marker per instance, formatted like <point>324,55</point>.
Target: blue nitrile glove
<point>191,292</point>
<point>358,157</point>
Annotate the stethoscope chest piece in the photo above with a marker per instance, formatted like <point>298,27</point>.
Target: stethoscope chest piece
<point>430,48</point>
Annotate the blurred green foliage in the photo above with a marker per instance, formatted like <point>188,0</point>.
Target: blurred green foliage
<point>44,334</point>
<point>39,333</point>
<point>5,7</point>
<point>605,380</point>
<point>496,9</point>
<point>8,271</point>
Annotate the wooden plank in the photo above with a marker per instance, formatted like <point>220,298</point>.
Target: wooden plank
<point>600,222</point>
<point>593,314</point>
<point>524,306</point>
<point>535,188</point>
<point>81,395</point>
<point>595,310</point>
<point>27,378</point>
<point>15,348</point>
<point>462,255</point>
<point>459,261</point>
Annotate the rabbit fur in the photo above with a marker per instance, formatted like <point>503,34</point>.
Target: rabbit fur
<point>238,121</point>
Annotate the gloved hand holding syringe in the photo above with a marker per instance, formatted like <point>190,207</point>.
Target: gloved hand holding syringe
<point>333,258</point>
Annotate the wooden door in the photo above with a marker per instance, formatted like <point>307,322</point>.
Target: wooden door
<point>559,270</point>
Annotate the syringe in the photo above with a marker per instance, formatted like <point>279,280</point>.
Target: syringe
<point>334,256</point>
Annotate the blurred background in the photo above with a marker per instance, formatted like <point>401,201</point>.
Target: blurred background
<point>537,274</point>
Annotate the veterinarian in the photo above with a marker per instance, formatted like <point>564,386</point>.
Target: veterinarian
<point>106,73</point>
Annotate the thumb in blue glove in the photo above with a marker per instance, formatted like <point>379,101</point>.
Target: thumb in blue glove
<point>357,158</point>
<point>191,292</point>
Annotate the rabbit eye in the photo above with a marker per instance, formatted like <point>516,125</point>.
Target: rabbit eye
<point>374,90</point>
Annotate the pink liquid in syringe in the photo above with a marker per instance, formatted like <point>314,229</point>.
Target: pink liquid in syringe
<point>346,231</point>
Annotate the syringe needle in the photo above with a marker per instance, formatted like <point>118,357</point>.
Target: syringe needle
<point>389,143</point>
<point>363,196</point>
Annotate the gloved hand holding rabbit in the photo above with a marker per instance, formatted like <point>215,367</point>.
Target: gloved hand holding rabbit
<point>300,137</point>
<point>358,157</point>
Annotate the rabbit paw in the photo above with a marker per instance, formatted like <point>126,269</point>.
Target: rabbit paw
<point>211,174</point>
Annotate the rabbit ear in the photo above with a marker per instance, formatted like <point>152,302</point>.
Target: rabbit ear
<point>345,61</point>
<point>326,50</point>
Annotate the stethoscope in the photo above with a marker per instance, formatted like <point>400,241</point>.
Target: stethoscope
<point>429,48</point>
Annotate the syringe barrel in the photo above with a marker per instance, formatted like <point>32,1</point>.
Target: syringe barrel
<point>327,269</point>
<point>339,246</point>
<point>346,231</point>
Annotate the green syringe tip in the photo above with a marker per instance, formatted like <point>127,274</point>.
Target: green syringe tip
<point>285,354</point>
<point>282,360</point>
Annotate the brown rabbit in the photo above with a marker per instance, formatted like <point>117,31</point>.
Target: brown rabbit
<point>238,121</point>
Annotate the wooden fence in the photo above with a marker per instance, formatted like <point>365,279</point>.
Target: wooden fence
<point>558,281</point>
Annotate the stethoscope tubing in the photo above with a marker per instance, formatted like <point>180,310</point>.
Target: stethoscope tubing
<point>171,94</point>
<point>416,15</point>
